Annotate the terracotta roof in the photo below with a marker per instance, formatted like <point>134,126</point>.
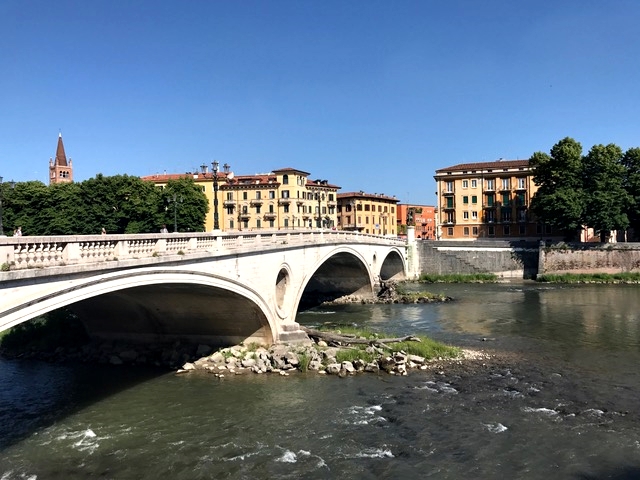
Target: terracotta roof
<point>499,164</point>
<point>289,169</point>
<point>373,196</point>
<point>61,157</point>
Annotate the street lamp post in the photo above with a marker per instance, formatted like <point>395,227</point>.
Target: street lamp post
<point>12,184</point>
<point>319,196</point>
<point>216,223</point>
<point>175,198</point>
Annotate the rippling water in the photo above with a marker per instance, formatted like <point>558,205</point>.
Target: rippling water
<point>566,408</point>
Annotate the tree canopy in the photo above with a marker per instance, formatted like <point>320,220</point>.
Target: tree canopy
<point>600,190</point>
<point>119,204</point>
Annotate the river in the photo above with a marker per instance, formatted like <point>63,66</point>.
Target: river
<point>565,404</point>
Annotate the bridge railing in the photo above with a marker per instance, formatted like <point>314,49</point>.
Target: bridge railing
<point>18,253</point>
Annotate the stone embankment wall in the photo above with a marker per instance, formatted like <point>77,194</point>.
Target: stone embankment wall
<point>589,258</point>
<point>506,259</point>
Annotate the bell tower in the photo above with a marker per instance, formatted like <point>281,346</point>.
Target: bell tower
<point>60,170</point>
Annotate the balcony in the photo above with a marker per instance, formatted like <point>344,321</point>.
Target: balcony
<point>448,192</point>
<point>228,203</point>
<point>284,201</point>
<point>257,201</point>
<point>270,215</point>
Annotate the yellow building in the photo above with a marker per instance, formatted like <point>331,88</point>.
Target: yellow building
<point>282,199</point>
<point>371,213</point>
<point>487,200</point>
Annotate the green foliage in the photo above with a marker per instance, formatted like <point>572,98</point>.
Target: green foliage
<point>59,328</point>
<point>357,352</point>
<point>458,278</point>
<point>559,200</point>
<point>120,204</point>
<point>600,190</point>
<point>622,277</point>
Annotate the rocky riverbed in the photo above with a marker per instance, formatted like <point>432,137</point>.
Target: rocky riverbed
<point>321,358</point>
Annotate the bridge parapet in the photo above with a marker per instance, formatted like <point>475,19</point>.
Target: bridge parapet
<point>20,253</point>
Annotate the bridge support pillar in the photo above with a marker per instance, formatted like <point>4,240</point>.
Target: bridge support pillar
<point>292,333</point>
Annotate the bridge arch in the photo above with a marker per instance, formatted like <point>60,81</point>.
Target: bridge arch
<point>161,305</point>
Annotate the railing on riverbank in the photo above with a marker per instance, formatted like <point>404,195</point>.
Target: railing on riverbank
<point>18,253</point>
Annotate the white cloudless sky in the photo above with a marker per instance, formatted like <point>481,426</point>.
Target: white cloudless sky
<point>370,95</point>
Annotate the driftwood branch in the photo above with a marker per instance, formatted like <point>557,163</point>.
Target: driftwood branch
<point>334,337</point>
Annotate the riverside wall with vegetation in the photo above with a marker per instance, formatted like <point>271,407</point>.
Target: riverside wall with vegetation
<point>533,260</point>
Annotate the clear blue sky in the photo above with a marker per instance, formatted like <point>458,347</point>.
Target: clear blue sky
<point>370,95</point>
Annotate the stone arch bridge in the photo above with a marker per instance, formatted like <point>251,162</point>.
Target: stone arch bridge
<point>218,289</point>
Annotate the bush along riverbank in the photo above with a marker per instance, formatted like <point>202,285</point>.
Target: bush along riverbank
<point>335,352</point>
<point>391,292</point>
<point>458,278</point>
<point>622,277</point>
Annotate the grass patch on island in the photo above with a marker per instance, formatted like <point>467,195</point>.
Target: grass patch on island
<point>426,347</point>
<point>458,278</point>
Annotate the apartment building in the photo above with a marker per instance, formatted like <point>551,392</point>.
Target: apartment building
<point>487,200</point>
<point>282,199</point>
<point>370,213</point>
<point>422,217</point>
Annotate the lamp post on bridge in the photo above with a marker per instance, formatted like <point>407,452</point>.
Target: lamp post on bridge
<point>175,198</point>
<point>216,223</point>
<point>12,184</point>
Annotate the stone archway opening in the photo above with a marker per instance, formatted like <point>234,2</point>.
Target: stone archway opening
<point>282,282</point>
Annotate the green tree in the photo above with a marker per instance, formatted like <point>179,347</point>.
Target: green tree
<point>190,205</point>
<point>606,200</point>
<point>631,162</point>
<point>559,200</point>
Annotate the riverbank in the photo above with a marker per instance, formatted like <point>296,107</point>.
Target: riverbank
<point>605,278</point>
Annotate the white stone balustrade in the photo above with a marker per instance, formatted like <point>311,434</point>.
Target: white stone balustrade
<point>18,253</point>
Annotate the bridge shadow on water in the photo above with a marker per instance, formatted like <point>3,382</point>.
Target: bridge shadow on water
<point>36,394</point>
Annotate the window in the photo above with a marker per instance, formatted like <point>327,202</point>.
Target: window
<point>449,202</point>
<point>230,196</point>
<point>271,209</point>
<point>286,208</point>
<point>506,183</point>
<point>522,183</point>
<point>492,231</point>
<point>465,183</point>
<point>258,195</point>
<point>505,199</point>
<point>474,215</point>
<point>523,230</point>
<point>521,200</point>
<point>272,194</point>
<point>450,231</point>
<point>465,215</point>
<point>272,223</point>
<point>465,231</point>
<point>245,209</point>
<point>506,229</point>
<point>257,209</point>
<point>449,187</point>
<point>450,217</point>
<point>285,179</point>
<point>474,230</point>
<point>491,185</point>
<point>286,222</point>
<point>490,199</point>
<point>474,199</point>
<point>506,215</point>
<point>465,199</point>
<point>367,208</point>
<point>245,195</point>
<point>258,223</point>
<point>285,193</point>
<point>474,184</point>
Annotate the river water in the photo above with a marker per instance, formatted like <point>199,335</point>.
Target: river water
<point>564,404</point>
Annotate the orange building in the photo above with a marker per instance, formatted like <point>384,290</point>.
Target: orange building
<point>422,217</point>
<point>370,213</point>
<point>487,200</point>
